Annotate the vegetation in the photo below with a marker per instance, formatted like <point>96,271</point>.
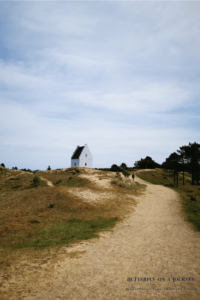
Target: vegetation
<point>43,217</point>
<point>58,181</point>
<point>187,159</point>
<point>190,194</point>
<point>115,168</point>
<point>27,170</point>
<point>126,183</point>
<point>36,180</point>
<point>126,173</point>
<point>123,166</point>
<point>146,163</point>
<point>2,165</point>
<point>49,168</point>
<point>66,231</point>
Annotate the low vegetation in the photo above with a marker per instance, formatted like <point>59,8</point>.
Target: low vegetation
<point>36,216</point>
<point>126,183</point>
<point>36,180</point>
<point>190,194</point>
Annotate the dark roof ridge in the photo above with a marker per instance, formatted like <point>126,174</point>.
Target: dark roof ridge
<point>77,153</point>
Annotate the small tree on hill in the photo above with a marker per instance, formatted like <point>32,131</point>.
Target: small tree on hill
<point>49,168</point>
<point>115,168</point>
<point>126,173</point>
<point>123,166</point>
<point>146,163</point>
<point>2,165</point>
<point>36,180</point>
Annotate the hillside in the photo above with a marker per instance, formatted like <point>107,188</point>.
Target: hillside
<point>78,204</point>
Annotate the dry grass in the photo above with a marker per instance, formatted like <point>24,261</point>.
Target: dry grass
<point>27,211</point>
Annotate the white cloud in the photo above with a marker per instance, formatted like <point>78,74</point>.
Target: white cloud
<point>114,75</point>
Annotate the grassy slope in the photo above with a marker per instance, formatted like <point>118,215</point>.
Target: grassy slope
<point>191,209</point>
<point>37,218</point>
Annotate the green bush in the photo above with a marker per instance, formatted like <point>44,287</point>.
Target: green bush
<point>169,184</point>
<point>59,181</point>
<point>36,180</point>
<point>126,173</point>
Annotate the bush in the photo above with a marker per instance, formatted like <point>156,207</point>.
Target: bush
<point>36,180</point>
<point>126,173</point>
<point>59,181</point>
<point>169,185</point>
<point>49,168</point>
<point>2,165</point>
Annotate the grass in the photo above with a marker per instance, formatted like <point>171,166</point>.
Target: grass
<point>190,194</point>
<point>46,217</point>
<point>65,232</point>
<point>126,183</point>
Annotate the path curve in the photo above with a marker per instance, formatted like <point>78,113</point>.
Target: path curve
<point>49,183</point>
<point>154,242</point>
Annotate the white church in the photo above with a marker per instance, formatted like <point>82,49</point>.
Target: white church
<point>82,157</point>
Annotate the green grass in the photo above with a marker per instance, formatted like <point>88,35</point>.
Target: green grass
<point>66,232</point>
<point>58,181</point>
<point>191,209</point>
<point>73,181</point>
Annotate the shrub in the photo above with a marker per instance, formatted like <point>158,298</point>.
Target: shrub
<point>36,180</point>
<point>2,165</point>
<point>49,168</point>
<point>169,185</point>
<point>126,173</point>
<point>59,181</point>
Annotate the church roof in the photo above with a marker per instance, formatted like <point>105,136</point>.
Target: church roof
<point>77,153</point>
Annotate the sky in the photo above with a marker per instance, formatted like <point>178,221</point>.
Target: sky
<point>122,77</point>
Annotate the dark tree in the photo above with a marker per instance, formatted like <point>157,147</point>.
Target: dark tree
<point>172,162</point>
<point>191,154</point>
<point>126,173</point>
<point>2,165</point>
<point>183,161</point>
<point>146,163</point>
<point>123,166</point>
<point>49,168</point>
<point>14,168</point>
<point>115,168</point>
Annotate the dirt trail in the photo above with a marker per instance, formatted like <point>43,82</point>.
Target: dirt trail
<point>49,183</point>
<point>154,242</point>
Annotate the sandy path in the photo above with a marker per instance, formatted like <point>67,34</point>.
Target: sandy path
<point>49,183</point>
<point>153,242</point>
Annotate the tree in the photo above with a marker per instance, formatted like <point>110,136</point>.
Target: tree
<point>123,166</point>
<point>172,162</point>
<point>126,173</point>
<point>191,155</point>
<point>146,163</point>
<point>49,168</point>
<point>14,168</point>
<point>183,161</point>
<point>115,168</point>
<point>36,180</point>
<point>2,165</point>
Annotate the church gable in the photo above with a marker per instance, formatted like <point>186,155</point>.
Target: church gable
<point>82,157</point>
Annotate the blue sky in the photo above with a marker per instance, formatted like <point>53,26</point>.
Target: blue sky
<point>122,77</point>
